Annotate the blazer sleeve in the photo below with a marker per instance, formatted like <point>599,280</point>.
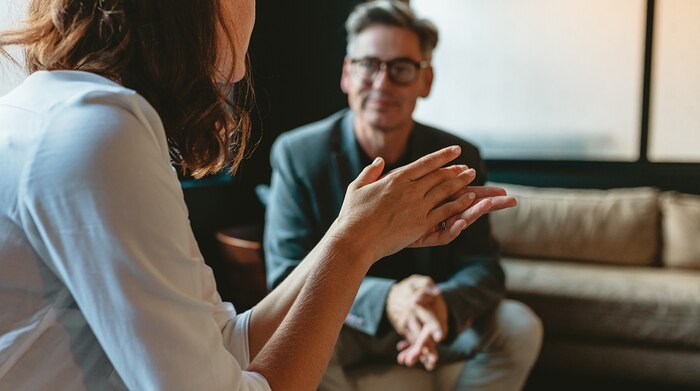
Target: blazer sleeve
<point>290,232</point>
<point>293,227</point>
<point>367,311</point>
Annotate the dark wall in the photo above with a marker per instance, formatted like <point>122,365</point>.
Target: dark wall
<point>296,54</point>
<point>682,177</point>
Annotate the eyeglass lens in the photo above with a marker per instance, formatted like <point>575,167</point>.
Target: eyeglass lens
<point>400,71</point>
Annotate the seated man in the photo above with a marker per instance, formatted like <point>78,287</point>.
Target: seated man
<point>432,305</point>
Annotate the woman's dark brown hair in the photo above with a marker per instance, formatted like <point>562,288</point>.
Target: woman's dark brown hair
<point>166,50</point>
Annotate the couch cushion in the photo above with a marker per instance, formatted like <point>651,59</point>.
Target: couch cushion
<point>681,230</point>
<point>675,369</point>
<point>650,305</point>
<point>610,226</point>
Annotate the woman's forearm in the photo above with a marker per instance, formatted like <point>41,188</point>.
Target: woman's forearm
<point>313,301</point>
<point>271,310</point>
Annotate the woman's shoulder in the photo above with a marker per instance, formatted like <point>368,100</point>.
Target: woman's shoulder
<point>90,127</point>
<point>74,104</point>
<point>52,94</point>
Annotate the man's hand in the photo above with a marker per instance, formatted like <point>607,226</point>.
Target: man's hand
<point>418,312</point>
<point>416,302</point>
<point>423,349</point>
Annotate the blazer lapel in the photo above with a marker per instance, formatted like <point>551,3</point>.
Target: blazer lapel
<point>345,157</point>
<point>419,142</point>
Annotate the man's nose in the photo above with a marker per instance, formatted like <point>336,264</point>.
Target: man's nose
<point>381,78</point>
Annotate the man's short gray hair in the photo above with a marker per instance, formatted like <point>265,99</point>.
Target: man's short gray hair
<point>391,13</point>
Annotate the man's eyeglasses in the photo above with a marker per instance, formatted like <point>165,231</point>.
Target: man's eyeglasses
<point>402,71</point>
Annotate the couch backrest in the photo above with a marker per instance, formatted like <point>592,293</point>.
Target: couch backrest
<point>619,226</point>
<point>680,215</point>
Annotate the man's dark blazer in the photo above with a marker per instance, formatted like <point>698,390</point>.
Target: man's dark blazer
<point>312,167</point>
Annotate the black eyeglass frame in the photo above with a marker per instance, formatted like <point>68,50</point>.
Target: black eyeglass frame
<point>387,66</point>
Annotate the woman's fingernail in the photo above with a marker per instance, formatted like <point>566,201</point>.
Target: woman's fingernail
<point>455,149</point>
<point>377,161</point>
<point>471,195</point>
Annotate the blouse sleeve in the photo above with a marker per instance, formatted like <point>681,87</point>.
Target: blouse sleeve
<point>103,208</point>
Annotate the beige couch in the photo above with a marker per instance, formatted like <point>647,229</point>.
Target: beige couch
<point>614,275</point>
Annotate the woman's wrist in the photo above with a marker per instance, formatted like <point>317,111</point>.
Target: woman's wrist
<point>352,244</point>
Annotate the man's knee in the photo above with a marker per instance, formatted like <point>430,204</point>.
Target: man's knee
<point>520,329</point>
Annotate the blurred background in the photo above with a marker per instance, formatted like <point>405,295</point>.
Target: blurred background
<point>540,85</point>
<point>569,93</point>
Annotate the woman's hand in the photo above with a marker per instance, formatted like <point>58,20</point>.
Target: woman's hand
<point>486,199</point>
<point>384,215</point>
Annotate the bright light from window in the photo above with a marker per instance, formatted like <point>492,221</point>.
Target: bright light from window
<point>542,79</point>
<point>675,101</point>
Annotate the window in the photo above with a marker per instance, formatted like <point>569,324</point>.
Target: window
<point>674,128</point>
<point>539,79</point>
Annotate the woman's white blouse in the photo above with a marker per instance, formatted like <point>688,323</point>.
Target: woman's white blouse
<point>102,285</point>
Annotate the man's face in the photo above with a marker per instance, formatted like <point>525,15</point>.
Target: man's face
<point>382,103</point>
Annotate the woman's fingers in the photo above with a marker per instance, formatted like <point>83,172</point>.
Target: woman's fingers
<point>440,175</point>
<point>453,208</point>
<point>479,192</point>
<point>486,191</point>
<point>437,236</point>
<point>502,202</point>
<point>456,214</point>
<point>429,163</point>
<point>479,209</point>
<point>369,174</point>
<point>463,209</point>
<point>448,188</point>
<point>496,203</point>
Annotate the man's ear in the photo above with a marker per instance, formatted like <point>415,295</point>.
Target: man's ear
<point>427,82</point>
<point>345,76</point>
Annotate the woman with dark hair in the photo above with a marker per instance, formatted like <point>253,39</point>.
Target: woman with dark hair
<point>102,285</point>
